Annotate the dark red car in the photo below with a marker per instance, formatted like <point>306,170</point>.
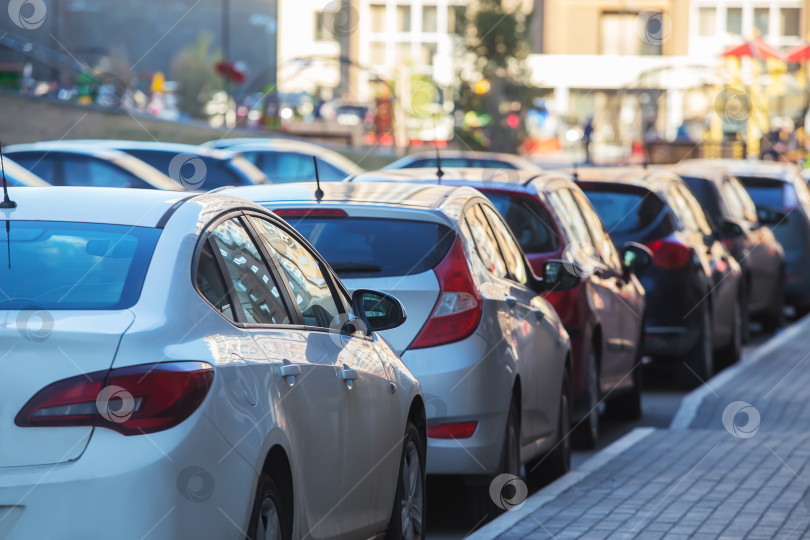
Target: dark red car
<point>552,219</point>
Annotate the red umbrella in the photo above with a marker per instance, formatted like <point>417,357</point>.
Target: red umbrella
<point>798,54</point>
<point>754,48</point>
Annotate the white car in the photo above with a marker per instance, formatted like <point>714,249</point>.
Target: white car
<point>491,355</point>
<point>187,366</point>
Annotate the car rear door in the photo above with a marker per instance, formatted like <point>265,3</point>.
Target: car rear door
<point>370,432</point>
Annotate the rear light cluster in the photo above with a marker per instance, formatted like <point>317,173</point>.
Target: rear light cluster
<point>130,400</point>
<point>458,310</point>
<point>669,254</point>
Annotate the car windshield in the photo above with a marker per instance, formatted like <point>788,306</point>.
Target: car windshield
<point>213,174</point>
<point>531,224</point>
<point>630,215</point>
<point>63,265</point>
<point>372,247</point>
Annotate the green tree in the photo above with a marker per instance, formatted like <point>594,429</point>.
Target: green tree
<point>193,69</point>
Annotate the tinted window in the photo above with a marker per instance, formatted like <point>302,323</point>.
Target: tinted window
<point>252,282</point>
<point>460,163</point>
<point>529,221</point>
<point>370,247</point>
<point>706,194</point>
<point>509,249</point>
<point>59,265</point>
<point>485,242</point>
<point>770,193</point>
<point>601,239</point>
<point>692,207</point>
<point>80,170</point>
<point>749,208</point>
<point>310,289</point>
<point>210,282</point>
<point>630,215</point>
<point>217,172</point>
<point>565,206</point>
<point>38,163</point>
<point>286,167</point>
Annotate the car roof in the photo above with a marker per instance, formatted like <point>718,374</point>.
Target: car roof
<point>521,161</point>
<point>639,176</point>
<point>407,195</point>
<point>707,171</point>
<point>458,176</point>
<point>290,145</point>
<point>765,169</point>
<point>175,148</point>
<point>124,206</point>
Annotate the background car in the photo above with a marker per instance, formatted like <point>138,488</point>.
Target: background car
<point>63,164</point>
<point>552,219</point>
<point>694,285</point>
<point>491,356</point>
<point>18,176</point>
<point>195,167</point>
<point>755,247</point>
<point>463,158</point>
<point>286,160</point>
<point>180,349</point>
<point>783,203</point>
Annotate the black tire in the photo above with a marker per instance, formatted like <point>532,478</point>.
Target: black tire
<point>774,318</point>
<point>586,431</point>
<point>408,514</point>
<point>627,405</point>
<point>730,353</point>
<point>547,468</point>
<point>268,504</point>
<point>697,365</point>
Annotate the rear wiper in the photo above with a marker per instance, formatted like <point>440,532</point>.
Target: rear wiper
<point>355,267</point>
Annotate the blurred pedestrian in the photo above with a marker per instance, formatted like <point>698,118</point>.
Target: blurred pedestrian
<point>587,137</point>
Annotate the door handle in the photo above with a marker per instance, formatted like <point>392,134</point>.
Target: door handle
<point>511,301</point>
<point>289,371</point>
<point>348,375</point>
<point>538,314</point>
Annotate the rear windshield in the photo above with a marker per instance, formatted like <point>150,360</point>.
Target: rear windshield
<point>62,265</point>
<point>371,247</point>
<point>630,215</point>
<point>461,162</point>
<point>530,222</point>
<point>770,193</point>
<point>215,173</point>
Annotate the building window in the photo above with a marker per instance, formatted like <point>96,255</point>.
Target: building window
<point>377,50</point>
<point>628,33</point>
<point>761,20</point>
<point>428,51</point>
<point>653,31</point>
<point>734,21</point>
<point>403,18</point>
<point>323,22</point>
<point>404,53</point>
<point>457,20</point>
<point>789,22</point>
<point>377,16</point>
<point>707,21</point>
<point>429,23</point>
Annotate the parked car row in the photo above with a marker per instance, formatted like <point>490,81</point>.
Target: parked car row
<point>300,356</point>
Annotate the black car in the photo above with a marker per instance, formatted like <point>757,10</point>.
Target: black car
<point>693,287</point>
<point>754,246</point>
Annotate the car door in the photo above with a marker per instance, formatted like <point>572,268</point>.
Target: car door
<point>540,354</point>
<point>297,383</point>
<point>370,432</point>
<point>628,298</point>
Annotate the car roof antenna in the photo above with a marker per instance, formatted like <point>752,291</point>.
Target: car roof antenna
<point>318,191</point>
<point>439,171</point>
<point>7,203</point>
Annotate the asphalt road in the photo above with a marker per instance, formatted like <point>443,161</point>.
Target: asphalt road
<point>449,516</point>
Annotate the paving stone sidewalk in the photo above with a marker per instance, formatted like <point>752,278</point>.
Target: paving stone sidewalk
<point>738,468</point>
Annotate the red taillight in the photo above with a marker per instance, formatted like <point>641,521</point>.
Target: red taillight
<point>310,212</point>
<point>130,400</point>
<point>669,254</point>
<point>458,309</point>
<point>460,430</point>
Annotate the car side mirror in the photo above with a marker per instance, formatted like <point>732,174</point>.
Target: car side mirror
<point>729,229</point>
<point>770,216</point>
<point>377,310</point>
<point>560,275</point>
<point>636,258</point>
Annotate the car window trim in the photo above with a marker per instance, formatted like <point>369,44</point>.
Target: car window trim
<point>501,248</point>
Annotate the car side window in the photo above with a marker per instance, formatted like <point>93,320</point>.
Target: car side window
<point>211,283</point>
<point>509,249</point>
<point>749,208</point>
<point>693,206</point>
<point>564,203</point>
<point>485,242</point>
<point>251,280</point>
<point>602,241</point>
<point>90,171</point>
<point>307,278</point>
<point>39,164</point>
<point>731,200</point>
<point>679,207</point>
